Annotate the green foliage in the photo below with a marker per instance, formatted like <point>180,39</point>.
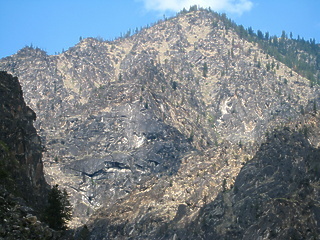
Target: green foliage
<point>305,131</point>
<point>174,85</point>
<point>193,8</point>
<point>4,146</point>
<point>273,64</point>
<point>258,64</point>
<point>84,233</point>
<point>8,164</point>
<point>211,121</point>
<point>224,185</point>
<point>205,70</point>
<point>232,53</point>
<point>302,110</point>
<point>120,77</point>
<point>59,210</point>
<point>3,172</point>
<point>268,66</point>
<point>190,138</point>
<point>299,54</point>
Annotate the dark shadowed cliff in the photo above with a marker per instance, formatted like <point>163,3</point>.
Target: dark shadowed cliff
<point>23,189</point>
<point>21,150</point>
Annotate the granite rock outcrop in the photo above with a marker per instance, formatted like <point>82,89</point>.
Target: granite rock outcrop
<point>146,131</point>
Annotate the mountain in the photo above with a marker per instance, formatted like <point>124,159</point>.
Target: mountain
<point>23,189</point>
<point>274,196</point>
<point>21,165</point>
<point>150,132</point>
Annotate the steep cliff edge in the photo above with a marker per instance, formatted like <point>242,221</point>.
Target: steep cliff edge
<point>21,150</point>
<point>23,189</point>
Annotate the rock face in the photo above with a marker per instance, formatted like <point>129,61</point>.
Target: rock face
<point>18,220</point>
<point>21,150</point>
<point>275,196</point>
<point>151,128</point>
<point>23,189</point>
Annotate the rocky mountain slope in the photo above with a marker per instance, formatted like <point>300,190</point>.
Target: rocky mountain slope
<point>151,128</point>
<point>275,196</point>
<point>21,165</point>
<point>23,190</point>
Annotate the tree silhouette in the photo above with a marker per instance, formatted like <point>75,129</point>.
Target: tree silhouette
<point>59,209</point>
<point>205,70</point>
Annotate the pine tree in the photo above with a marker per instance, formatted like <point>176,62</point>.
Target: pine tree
<point>59,209</point>
<point>205,70</point>
<point>268,66</point>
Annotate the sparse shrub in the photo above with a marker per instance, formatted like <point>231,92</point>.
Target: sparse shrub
<point>190,138</point>
<point>302,110</point>
<point>224,185</point>
<point>174,85</point>
<point>205,70</point>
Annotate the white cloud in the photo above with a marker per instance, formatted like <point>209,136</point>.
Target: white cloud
<point>230,6</point>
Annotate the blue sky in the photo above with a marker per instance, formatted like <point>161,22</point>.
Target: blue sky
<point>54,25</point>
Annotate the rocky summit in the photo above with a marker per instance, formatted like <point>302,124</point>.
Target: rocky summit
<point>188,129</point>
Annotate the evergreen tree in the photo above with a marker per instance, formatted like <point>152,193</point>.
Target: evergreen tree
<point>260,34</point>
<point>258,64</point>
<point>174,85</point>
<point>59,209</point>
<point>268,66</point>
<point>283,35</point>
<point>205,70</point>
<point>232,53</point>
<point>250,31</point>
<point>300,54</point>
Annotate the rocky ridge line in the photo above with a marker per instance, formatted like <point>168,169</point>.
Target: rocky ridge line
<point>115,114</point>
